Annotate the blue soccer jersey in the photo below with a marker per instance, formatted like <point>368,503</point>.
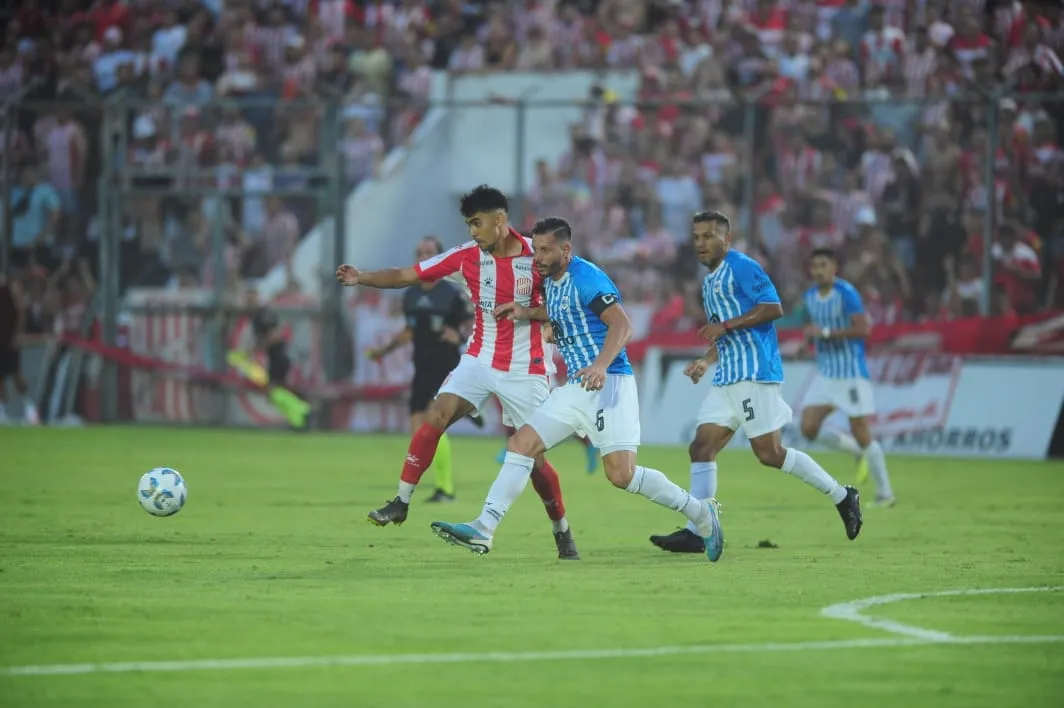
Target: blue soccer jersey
<point>738,285</point>
<point>837,358</point>
<point>574,305</point>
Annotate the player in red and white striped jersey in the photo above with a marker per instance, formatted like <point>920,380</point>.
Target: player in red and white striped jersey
<point>506,358</point>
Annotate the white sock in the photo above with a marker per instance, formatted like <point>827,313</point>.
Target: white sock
<point>877,468</point>
<point>406,491</point>
<point>29,408</point>
<point>805,468</point>
<point>561,525</point>
<point>512,479</point>
<point>659,489</point>
<point>838,440</point>
<point>703,484</point>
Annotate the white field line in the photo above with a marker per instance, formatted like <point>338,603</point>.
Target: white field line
<point>911,636</point>
<point>500,657</point>
<point>851,611</point>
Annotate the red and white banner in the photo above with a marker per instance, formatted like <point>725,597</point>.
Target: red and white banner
<point>927,404</point>
<point>175,337</point>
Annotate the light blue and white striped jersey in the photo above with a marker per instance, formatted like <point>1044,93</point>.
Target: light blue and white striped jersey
<point>837,358</point>
<point>574,305</point>
<point>738,285</point>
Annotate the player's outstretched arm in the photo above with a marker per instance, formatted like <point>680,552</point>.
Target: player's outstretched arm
<point>387,279</point>
<point>515,311</point>
<point>403,337</point>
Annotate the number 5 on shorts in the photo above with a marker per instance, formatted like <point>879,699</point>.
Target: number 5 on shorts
<point>748,410</point>
<point>600,422</point>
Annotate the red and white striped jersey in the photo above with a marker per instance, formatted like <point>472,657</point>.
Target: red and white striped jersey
<point>516,347</point>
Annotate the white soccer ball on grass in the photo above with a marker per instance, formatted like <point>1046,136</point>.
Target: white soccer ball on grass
<point>162,491</point>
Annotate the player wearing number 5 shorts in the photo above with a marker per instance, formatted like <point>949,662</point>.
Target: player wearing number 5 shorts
<point>837,327</point>
<point>599,399</point>
<point>504,357</point>
<point>741,305</point>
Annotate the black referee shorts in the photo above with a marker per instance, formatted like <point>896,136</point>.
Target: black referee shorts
<point>426,384</point>
<point>277,364</point>
<point>9,362</point>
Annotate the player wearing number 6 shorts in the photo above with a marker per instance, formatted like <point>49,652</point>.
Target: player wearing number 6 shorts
<point>741,305</point>
<point>590,329</point>
<point>505,357</point>
<point>837,327</point>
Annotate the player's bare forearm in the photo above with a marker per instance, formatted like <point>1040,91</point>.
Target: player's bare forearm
<point>858,329</point>
<point>538,313</point>
<point>618,334</point>
<point>759,315</point>
<point>404,337</point>
<point>389,278</point>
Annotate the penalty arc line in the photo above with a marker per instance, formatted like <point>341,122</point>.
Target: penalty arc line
<point>908,636</point>
<point>851,611</point>
<point>503,657</point>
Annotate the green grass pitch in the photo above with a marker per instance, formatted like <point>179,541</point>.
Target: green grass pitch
<point>272,557</point>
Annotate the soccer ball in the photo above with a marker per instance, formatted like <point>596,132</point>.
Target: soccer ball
<point>162,492</point>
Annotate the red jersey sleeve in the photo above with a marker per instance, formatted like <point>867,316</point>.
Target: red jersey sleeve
<point>447,263</point>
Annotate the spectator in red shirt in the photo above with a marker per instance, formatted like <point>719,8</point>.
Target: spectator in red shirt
<point>106,14</point>
<point>1018,269</point>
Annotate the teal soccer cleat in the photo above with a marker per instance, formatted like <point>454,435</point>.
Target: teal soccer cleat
<point>592,458</point>
<point>715,540</point>
<point>464,535</point>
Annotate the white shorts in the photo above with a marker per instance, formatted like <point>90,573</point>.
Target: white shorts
<point>609,417</point>
<point>474,381</point>
<point>758,408</point>
<point>851,396</point>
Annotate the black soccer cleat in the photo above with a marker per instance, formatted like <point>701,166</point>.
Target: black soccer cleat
<point>681,541</point>
<point>566,545</point>
<point>394,512</point>
<point>439,497</point>
<point>850,511</point>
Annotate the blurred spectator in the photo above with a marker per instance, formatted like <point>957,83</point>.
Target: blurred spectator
<point>35,216</point>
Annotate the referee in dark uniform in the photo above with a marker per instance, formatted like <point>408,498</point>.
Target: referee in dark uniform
<point>438,316</point>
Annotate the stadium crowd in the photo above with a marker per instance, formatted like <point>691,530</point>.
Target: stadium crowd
<point>869,127</point>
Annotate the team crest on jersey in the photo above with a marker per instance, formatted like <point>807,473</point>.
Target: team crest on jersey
<point>565,303</point>
<point>524,286</point>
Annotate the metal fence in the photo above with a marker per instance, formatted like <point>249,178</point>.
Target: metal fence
<point>204,198</point>
<point>157,196</point>
<point>923,186</point>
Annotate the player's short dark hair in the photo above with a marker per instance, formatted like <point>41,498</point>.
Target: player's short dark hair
<point>828,253</point>
<point>712,217</point>
<point>556,226</point>
<point>483,199</point>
